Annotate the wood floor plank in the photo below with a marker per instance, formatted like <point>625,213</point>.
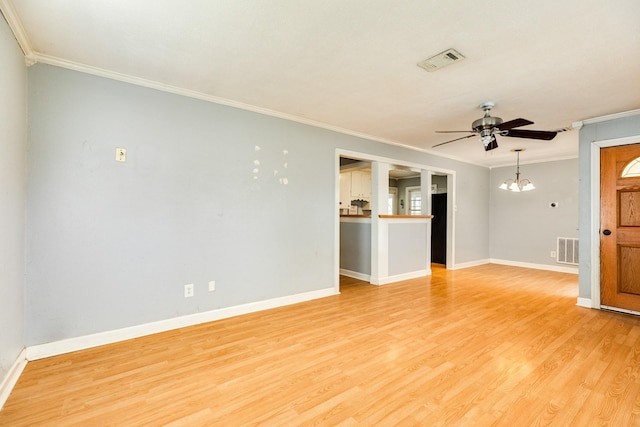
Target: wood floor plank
<point>483,346</point>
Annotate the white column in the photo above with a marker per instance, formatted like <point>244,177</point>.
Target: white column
<point>379,228</point>
<point>425,194</point>
<point>425,191</point>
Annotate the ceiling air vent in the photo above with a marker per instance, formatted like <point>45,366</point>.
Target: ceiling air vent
<point>440,60</point>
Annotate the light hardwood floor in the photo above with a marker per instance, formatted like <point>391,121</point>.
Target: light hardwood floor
<point>483,346</point>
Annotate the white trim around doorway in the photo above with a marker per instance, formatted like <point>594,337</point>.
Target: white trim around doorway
<point>451,175</point>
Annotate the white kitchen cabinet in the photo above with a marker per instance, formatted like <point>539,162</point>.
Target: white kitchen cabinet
<point>361,185</point>
<point>345,190</point>
<point>354,185</point>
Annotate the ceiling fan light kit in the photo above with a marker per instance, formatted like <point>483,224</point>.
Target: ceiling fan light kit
<point>517,185</point>
<point>489,126</point>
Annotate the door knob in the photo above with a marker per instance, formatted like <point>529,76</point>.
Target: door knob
<point>606,232</point>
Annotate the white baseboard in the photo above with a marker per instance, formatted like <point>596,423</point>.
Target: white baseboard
<point>469,264</point>
<point>355,275</point>
<point>558,269</point>
<point>399,277</point>
<point>584,302</point>
<point>10,380</point>
<point>42,351</point>
<point>476,263</point>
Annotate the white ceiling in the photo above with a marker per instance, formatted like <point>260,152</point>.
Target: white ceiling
<point>351,64</point>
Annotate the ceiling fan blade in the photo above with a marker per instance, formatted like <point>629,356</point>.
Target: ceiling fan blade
<point>532,134</point>
<point>491,145</point>
<point>515,123</point>
<point>457,139</point>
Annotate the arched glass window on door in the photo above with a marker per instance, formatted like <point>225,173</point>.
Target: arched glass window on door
<point>632,169</point>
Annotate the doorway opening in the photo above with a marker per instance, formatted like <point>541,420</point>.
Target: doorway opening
<point>439,211</point>
<point>357,237</point>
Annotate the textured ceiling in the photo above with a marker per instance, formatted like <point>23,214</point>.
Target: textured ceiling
<point>351,64</point>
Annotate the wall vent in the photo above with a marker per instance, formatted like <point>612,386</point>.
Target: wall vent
<point>567,251</point>
<point>440,60</point>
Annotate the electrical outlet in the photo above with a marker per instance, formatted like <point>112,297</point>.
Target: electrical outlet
<point>188,290</point>
<point>212,286</point>
<point>553,254</point>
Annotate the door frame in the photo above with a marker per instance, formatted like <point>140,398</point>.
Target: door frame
<point>451,188</point>
<point>595,212</point>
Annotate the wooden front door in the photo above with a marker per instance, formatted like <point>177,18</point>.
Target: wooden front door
<point>620,227</point>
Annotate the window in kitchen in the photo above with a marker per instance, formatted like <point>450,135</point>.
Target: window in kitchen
<point>414,197</point>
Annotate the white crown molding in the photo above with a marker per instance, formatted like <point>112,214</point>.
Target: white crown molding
<point>579,124</point>
<point>535,161</point>
<point>10,14</point>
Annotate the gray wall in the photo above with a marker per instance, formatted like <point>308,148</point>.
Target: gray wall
<point>611,129</point>
<point>13,153</point>
<point>407,248</point>
<point>524,228</point>
<point>441,182</point>
<point>110,245</point>
<point>472,195</point>
<point>355,247</point>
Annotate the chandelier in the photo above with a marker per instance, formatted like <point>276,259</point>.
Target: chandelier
<point>517,184</point>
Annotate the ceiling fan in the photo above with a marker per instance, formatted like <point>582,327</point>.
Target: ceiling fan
<point>488,127</point>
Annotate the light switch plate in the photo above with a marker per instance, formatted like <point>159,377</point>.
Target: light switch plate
<point>121,154</point>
